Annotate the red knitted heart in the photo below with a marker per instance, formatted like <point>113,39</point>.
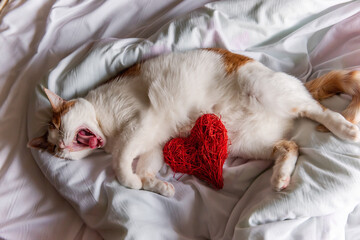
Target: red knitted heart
<point>201,154</point>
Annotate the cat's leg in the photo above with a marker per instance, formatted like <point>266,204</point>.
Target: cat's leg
<point>143,141</point>
<point>333,121</point>
<point>123,156</point>
<point>148,166</point>
<point>334,82</point>
<point>286,154</point>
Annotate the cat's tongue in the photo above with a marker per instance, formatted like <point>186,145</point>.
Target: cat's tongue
<point>87,138</point>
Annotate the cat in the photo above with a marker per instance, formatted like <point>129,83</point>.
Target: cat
<point>136,113</point>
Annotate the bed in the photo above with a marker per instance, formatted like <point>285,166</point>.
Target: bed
<point>72,46</point>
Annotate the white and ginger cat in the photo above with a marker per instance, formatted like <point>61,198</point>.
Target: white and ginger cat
<point>135,114</point>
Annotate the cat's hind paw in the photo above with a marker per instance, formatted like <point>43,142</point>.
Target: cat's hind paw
<point>280,181</point>
<point>352,132</point>
<point>343,128</point>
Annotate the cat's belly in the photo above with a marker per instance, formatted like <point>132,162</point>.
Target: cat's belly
<point>255,139</point>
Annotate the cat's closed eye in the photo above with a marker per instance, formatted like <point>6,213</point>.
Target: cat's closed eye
<point>52,126</point>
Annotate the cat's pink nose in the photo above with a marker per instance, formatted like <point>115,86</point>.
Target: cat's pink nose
<point>61,144</point>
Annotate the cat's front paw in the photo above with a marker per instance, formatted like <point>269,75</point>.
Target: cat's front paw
<point>130,181</point>
<point>280,181</point>
<point>167,190</point>
<point>151,183</point>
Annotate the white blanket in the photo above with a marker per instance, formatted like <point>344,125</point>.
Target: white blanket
<point>291,36</point>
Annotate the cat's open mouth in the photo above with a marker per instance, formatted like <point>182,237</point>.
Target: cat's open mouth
<point>86,138</point>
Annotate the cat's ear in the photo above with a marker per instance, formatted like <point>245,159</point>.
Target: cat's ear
<point>55,101</point>
<point>39,143</point>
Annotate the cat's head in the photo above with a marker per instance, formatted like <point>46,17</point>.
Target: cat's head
<point>73,131</point>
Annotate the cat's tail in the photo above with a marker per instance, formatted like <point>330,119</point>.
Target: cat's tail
<point>334,82</point>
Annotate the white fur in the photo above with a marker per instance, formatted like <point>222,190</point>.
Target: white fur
<point>136,115</point>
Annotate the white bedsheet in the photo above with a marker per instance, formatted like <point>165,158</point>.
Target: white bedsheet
<point>302,38</point>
